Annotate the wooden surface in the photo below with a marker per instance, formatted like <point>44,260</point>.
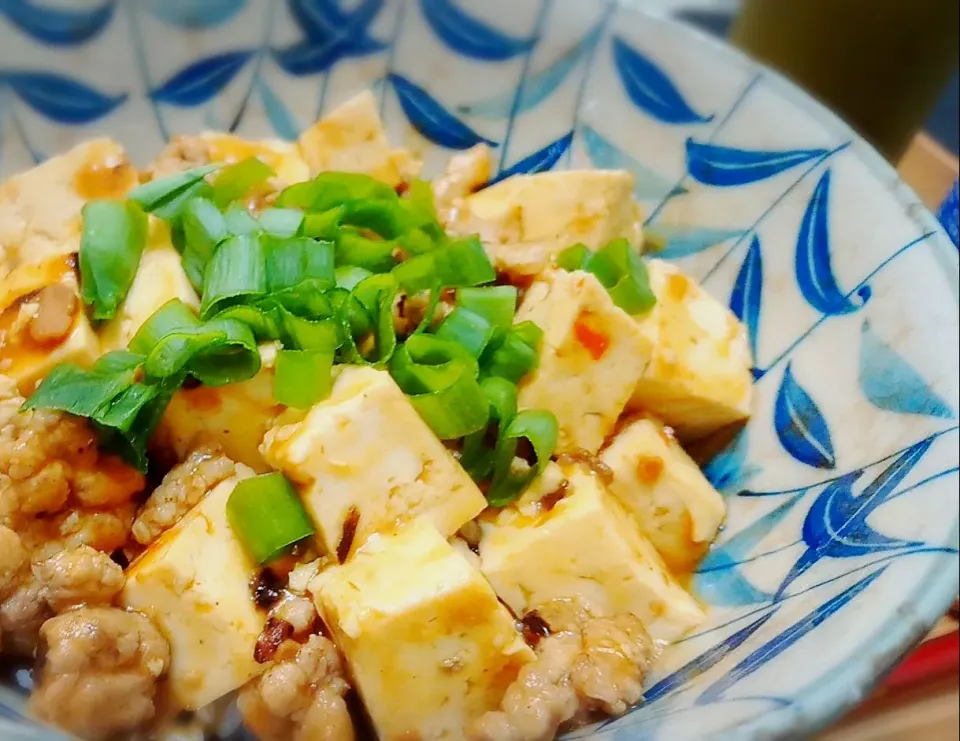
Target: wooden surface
<point>921,709</point>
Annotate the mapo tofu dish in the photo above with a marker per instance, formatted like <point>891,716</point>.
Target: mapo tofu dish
<point>372,456</point>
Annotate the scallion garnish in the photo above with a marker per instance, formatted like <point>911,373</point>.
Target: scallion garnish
<point>267,516</point>
<point>281,222</point>
<point>204,228</point>
<point>619,269</point>
<point>468,329</point>
<point>539,428</point>
<point>513,353</point>
<point>496,304</point>
<point>302,377</point>
<point>114,235</point>
<point>161,192</point>
<point>235,181</point>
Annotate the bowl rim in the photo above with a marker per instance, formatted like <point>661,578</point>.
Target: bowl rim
<point>815,707</point>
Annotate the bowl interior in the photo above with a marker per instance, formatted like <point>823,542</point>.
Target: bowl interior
<point>841,543</point>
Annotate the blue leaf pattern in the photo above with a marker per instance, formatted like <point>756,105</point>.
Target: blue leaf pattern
<point>747,296</point>
<point>330,35</point>
<point>889,382</point>
<point>279,116</point>
<point>650,186</point>
<point>57,26</point>
<point>705,661</point>
<point>712,164</point>
<point>191,14</point>
<point>650,89</point>
<point>836,525</point>
<point>538,86</point>
<point>773,648</point>
<point>60,98</point>
<point>813,267</point>
<point>466,35</point>
<point>431,119</point>
<point>728,471</point>
<point>540,161</point>
<point>718,580</point>
<point>800,425</point>
<point>684,241</point>
<point>197,83</point>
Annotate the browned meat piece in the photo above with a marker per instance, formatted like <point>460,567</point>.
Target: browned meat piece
<point>182,487</point>
<point>78,576</point>
<point>586,664</point>
<point>300,697</point>
<point>98,670</point>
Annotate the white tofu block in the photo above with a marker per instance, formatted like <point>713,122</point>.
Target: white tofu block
<point>525,221</point>
<point>591,357</point>
<point>428,645</point>
<point>671,500</point>
<point>234,417</point>
<point>586,547</point>
<point>30,296</point>
<point>40,208</point>
<point>194,584</point>
<point>699,378</point>
<point>159,279</point>
<point>364,461</point>
<point>351,139</point>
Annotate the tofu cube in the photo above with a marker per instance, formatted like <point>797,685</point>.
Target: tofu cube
<point>43,322</point>
<point>363,461</point>
<point>160,278</point>
<point>351,139</point>
<point>428,645</point>
<point>525,221</point>
<point>185,152</point>
<point>194,583</point>
<point>699,377</point>
<point>586,546</point>
<point>234,417</point>
<point>40,208</point>
<point>671,500</point>
<point>591,357</point>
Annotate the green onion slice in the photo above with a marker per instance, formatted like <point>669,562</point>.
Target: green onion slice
<point>281,222</point>
<point>114,235</point>
<point>468,329</point>
<point>496,304</point>
<point>236,273</point>
<point>540,429</point>
<point>235,181</point>
<point>240,221</point>
<point>463,262</point>
<point>478,452</point>
<point>619,269</point>
<point>369,339</point>
<point>291,261</point>
<point>513,353</point>
<point>331,189</point>
<point>302,377</point>
<point>267,516</point>
<point>323,225</point>
<point>375,255</point>
<point>439,377</point>
<point>162,192</point>
<point>204,228</point>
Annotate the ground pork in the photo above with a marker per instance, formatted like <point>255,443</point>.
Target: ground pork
<point>98,670</point>
<point>182,487</point>
<point>587,664</point>
<point>300,696</point>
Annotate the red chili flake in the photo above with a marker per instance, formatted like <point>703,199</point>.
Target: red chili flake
<point>596,343</point>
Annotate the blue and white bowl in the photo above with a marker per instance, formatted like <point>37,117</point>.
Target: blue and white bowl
<point>841,545</point>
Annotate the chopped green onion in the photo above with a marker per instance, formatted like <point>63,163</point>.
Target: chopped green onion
<point>302,377</point>
<point>216,352</point>
<point>348,276</point>
<point>204,228</point>
<point>619,269</point>
<point>478,452</point>
<point>573,258</point>
<point>267,516</point>
<point>123,411</point>
<point>309,334</point>
<point>324,225</point>
<point>439,378</point>
<point>235,181</point>
<point>389,219</point>
<point>374,296</point>
<point>540,429</point>
<point>291,261</point>
<point>281,222</point>
<point>469,329</point>
<point>158,193</point>
<point>514,353</point>
<point>370,254</point>
<point>417,274</point>
<point>240,221</point>
<point>496,304</point>
<point>331,189</point>
<point>463,262</point>
<point>236,272</point>
<point>420,196</point>
<point>113,238</point>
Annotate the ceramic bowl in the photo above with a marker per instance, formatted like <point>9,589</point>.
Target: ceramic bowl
<point>840,549</point>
